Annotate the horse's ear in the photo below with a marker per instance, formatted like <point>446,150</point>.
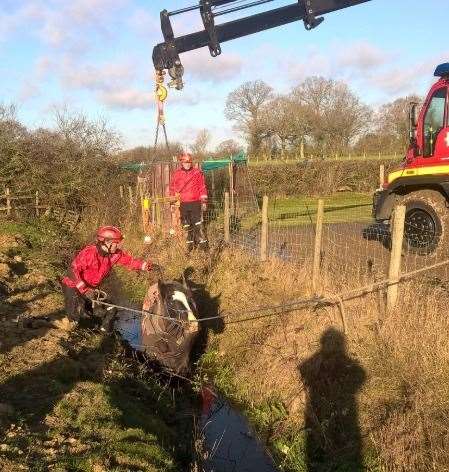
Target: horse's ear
<point>184,281</point>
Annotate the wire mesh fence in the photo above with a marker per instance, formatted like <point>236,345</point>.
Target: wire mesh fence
<point>353,250</point>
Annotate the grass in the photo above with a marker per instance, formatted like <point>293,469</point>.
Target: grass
<point>101,412</point>
<point>401,404</point>
<point>78,402</point>
<point>342,207</point>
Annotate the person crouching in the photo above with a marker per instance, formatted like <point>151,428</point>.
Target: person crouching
<point>90,267</point>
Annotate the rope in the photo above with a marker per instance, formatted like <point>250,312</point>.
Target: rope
<point>289,307</point>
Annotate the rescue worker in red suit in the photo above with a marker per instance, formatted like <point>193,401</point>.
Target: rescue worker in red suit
<point>91,266</point>
<point>189,184</point>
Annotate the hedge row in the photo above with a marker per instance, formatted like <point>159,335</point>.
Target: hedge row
<point>317,177</point>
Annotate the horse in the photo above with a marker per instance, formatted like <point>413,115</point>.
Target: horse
<point>169,327</point>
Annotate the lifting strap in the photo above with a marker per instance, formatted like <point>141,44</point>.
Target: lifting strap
<point>161,95</point>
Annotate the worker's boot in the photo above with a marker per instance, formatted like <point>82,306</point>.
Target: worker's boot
<point>200,236</point>
<point>189,234</point>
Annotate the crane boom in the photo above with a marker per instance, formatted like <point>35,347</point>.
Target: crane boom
<point>166,54</point>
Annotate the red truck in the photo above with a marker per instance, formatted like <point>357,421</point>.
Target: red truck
<point>421,183</point>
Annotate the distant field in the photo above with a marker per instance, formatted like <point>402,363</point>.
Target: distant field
<point>344,207</point>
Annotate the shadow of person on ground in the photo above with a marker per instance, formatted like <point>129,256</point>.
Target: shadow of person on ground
<point>35,393</point>
<point>208,307</point>
<point>332,380</point>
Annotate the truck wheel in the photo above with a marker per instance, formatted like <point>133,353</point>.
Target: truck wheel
<point>426,222</point>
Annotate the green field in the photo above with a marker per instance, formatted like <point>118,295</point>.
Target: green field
<point>339,208</point>
<point>345,207</point>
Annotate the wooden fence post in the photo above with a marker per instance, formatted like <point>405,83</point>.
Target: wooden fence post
<point>8,201</point>
<point>381,175</point>
<point>395,257</point>
<point>121,192</point>
<point>264,232</point>
<point>231,186</point>
<point>130,193</point>
<point>317,249</point>
<point>158,212</point>
<point>37,203</point>
<point>227,232</point>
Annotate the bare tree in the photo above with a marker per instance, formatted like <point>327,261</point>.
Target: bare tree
<point>335,115</point>
<point>230,147</point>
<point>392,122</point>
<point>245,106</point>
<point>200,146</point>
<point>285,124</point>
<point>94,138</point>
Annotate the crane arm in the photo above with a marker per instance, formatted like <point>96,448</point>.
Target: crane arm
<point>166,54</point>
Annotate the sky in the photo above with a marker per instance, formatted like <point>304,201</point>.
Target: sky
<point>94,57</point>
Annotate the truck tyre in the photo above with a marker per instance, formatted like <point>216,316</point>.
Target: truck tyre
<point>426,222</point>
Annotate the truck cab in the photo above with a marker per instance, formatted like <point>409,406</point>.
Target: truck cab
<point>421,183</point>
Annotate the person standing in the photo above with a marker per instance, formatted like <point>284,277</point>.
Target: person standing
<point>189,185</point>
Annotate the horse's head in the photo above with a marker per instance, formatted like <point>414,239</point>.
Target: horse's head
<point>176,301</point>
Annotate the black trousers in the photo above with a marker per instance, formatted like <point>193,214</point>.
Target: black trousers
<point>192,222</point>
<point>80,308</point>
<point>76,306</point>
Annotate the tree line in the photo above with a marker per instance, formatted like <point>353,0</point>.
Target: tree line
<point>319,117</point>
<point>74,163</point>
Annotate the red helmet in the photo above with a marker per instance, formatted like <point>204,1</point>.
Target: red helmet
<point>110,233</point>
<point>185,158</point>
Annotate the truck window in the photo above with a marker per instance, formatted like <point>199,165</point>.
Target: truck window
<point>434,120</point>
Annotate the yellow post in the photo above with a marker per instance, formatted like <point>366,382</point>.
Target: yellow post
<point>145,213</point>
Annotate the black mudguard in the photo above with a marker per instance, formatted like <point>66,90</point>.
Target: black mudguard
<point>385,200</point>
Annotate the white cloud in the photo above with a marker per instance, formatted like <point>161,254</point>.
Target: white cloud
<point>103,77</point>
<point>28,90</point>
<point>127,99</point>
<point>313,63</point>
<point>62,23</point>
<point>133,98</point>
<point>362,56</point>
<point>200,65</point>
<point>32,85</point>
<point>145,24</point>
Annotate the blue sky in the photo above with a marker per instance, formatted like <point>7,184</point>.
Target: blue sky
<point>94,56</point>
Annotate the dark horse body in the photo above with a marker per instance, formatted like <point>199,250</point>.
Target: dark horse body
<point>169,330</point>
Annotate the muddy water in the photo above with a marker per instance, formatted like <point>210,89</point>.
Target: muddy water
<point>229,442</point>
<point>129,328</point>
